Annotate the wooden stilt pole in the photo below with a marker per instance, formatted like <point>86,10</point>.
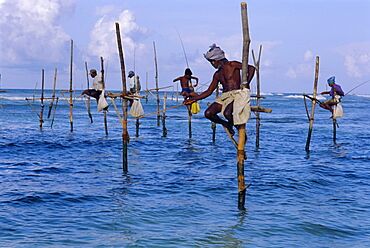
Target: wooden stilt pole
<point>241,128</point>
<point>156,85</point>
<point>213,125</point>
<point>71,90</point>
<point>311,117</point>
<point>53,94</point>
<point>177,92</point>
<point>55,108</point>
<point>146,91</point>
<point>42,97</point>
<point>189,120</point>
<point>125,136</point>
<point>103,81</point>
<point>334,131</point>
<point>88,97</point>
<point>164,116</point>
<point>258,118</point>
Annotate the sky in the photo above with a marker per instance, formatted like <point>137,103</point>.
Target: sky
<point>36,35</point>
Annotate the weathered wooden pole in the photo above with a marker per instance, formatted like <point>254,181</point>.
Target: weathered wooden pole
<point>146,85</point>
<point>334,130</point>
<point>125,136</point>
<point>311,117</point>
<point>53,94</point>
<point>241,128</point>
<point>156,85</point>
<point>213,125</point>
<point>55,108</point>
<point>258,118</point>
<point>164,116</point>
<point>189,121</point>
<point>42,97</point>
<point>71,90</point>
<point>88,97</point>
<point>103,81</point>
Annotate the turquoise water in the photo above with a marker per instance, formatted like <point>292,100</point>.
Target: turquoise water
<point>62,189</point>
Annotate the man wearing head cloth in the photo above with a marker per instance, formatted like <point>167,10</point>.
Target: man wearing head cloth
<point>234,101</point>
<point>335,93</point>
<point>97,90</point>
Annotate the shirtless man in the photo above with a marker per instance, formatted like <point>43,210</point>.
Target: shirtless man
<point>185,81</point>
<point>228,74</point>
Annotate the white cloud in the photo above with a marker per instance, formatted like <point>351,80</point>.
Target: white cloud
<point>29,31</point>
<point>302,69</point>
<point>356,59</point>
<point>308,55</point>
<point>103,36</point>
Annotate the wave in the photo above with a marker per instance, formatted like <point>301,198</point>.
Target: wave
<point>20,98</point>
<point>319,97</point>
<point>366,96</point>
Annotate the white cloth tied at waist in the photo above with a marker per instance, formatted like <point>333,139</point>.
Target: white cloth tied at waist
<point>241,104</point>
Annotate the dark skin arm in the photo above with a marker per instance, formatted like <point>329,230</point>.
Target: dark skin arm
<point>176,79</point>
<point>251,71</point>
<point>207,92</point>
<point>196,81</point>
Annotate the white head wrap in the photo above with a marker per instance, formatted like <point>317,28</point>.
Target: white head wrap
<point>215,53</point>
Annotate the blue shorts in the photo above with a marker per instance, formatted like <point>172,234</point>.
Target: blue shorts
<point>187,90</point>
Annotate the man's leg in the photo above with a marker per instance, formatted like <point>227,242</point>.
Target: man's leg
<point>328,105</point>
<point>92,93</point>
<point>211,114</point>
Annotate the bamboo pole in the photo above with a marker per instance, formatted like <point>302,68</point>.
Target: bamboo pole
<point>55,108</point>
<point>125,136</point>
<point>258,117</point>
<point>213,125</point>
<point>88,97</point>
<point>156,84</point>
<point>71,90</point>
<point>334,130</point>
<point>146,85</point>
<point>311,119</point>
<point>189,121</point>
<point>103,81</point>
<point>241,128</point>
<point>164,116</point>
<point>42,97</point>
<point>53,94</point>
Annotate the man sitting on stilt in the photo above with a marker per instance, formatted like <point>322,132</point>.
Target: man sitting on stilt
<point>336,93</point>
<point>234,103</point>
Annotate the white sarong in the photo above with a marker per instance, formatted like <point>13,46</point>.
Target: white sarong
<point>102,103</point>
<point>136,109</point>
<point>241,104</point>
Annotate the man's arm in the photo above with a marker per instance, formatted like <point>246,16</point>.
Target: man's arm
<point>251,70</point>
<point>338,90</point>
<point>176,79</point>
<point>205,93</point>
<point>325,92</point>
<point>196,81</point>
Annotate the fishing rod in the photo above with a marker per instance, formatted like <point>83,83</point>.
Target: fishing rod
<point>357,87</point>
<point>183,49</point>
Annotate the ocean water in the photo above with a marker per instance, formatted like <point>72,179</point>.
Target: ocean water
<point>63,189</point>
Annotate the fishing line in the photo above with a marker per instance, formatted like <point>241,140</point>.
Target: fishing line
<point>183,49</point>
<point>357,87</point>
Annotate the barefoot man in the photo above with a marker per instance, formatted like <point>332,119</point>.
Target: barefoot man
<point>234,103</point>
<point>186,85</point>
<point>335,93</point>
